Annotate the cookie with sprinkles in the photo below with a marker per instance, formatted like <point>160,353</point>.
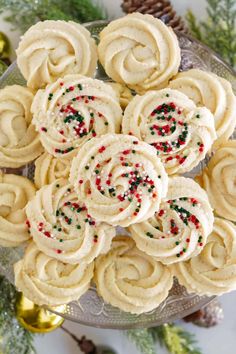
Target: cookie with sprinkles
<point>179,230</point>
<point>130,279</point>
<point>181,132</point>
<point>48,281</point>
<point>119,178</point>
<point>213,271</point>
<point>70,111</point>
<point>62,227</point>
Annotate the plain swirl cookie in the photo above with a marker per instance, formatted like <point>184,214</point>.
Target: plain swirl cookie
<point>180,228</point>
<point>168,120</point>
<point>120,179</point>
<point>19,142</point>
<point>131,280</point>
<point>215,93</point>
<point>62,227</point>
<point>15,192</point>
<point>213,272</point>
<point>52,49</point>
<point>139,51</point>
<point>48,168</point>
<point>72,110</point>
<point>47,281</point>
<point>123,93</point>
<point>218,179</point>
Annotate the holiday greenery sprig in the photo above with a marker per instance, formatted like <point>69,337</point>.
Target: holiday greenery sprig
<point>14,338</point>
<point>174,338</point>
<point>23,14</point>
<point>218,31</point>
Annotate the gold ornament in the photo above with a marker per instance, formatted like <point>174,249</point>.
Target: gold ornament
<point>4,46</point>
<point>35,318</point>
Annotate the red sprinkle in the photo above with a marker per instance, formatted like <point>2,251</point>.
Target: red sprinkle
<point>101,149</point>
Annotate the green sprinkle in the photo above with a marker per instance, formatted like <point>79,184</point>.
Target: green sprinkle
<point>78,227</point>
<point>87,167</point>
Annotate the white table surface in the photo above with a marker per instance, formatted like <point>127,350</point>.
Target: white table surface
<point>218,340</point>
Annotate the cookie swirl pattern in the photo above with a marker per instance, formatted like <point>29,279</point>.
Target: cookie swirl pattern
<point>53,49</point>
<point>179,230</point>
<point>47,281</point>
<point>48,168</point>
<point>131,280</point>
<point>119,178</point>
<point>215,93</point>
<point>213,272</point>
<point>139,51</point>
<point>71,111</point>
<point>15,192</point>
<point>62,227</point>
<point>19,142</point>
<point>218,180</point>
<point>168,120</point>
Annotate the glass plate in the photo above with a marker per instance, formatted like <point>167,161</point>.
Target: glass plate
<point>90,309</point>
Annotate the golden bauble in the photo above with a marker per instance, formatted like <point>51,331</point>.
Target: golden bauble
<point>4,46</point>
<point>35,318</point>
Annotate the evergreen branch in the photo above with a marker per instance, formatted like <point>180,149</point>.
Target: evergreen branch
<point>14,338</point>
<point>143,340</point>
<point>193,25</point>
<point>25,13</point>
<point>218,31</point>
<point>175,339</point>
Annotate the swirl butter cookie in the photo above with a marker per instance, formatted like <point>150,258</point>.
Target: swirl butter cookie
<point>139,51</point>
<point>213,272</point>
<point>48,168</point>
<point>131,280</point>
<point>15,192</point>
<point>179,230</point>
<point>72,110</point>
<point>119,178</point>
<point>123,93</point>
<point>62,227</point>
<point>218,179</point>
<point>47,281</point>
<point>19,142</point>
<point>215,93</point>
<point>51,49</point>
<point>168,120</point>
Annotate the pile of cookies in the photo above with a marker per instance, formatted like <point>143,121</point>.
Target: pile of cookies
<point>113,153</point>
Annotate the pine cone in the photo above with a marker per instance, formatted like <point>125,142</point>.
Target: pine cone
<point>209,316</point>
<point>160,9</point>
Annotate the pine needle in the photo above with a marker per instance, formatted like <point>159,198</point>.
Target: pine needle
<point>14,338</point>
<point>25,13</point>
<point>174,338</point>
<point>218,31</point>
<point>143,340</point>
